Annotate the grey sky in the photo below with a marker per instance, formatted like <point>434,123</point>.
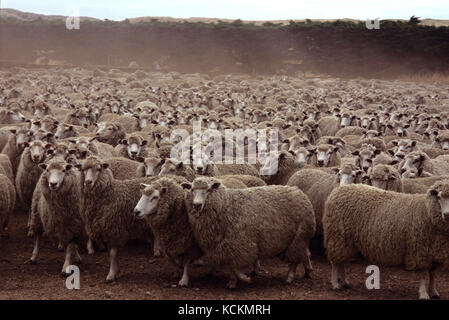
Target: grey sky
<point>242,9</point>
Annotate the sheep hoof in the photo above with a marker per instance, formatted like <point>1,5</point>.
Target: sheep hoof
<point>289,280</point>
<point>231,285</point>
<point>424,296</point>
<point>110,279</point>
<point>435,295</point>
<point>90,251</point>
<point>346,285</point>
<point>157,254</point>
<point>60,247</point>
<point>64,274</point>
<point>31,261</point>
<point>183,283</point>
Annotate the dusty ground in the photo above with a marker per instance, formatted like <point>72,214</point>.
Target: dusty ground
<point>142,278</point>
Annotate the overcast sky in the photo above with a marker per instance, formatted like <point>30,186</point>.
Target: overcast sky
<point>240,9</point>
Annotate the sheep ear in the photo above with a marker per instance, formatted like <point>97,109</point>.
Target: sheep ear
<point>393,162</point>
<point>143,186</point>
<point>335,170</point>
<point>163,190</point>
<point>377,151</point>
<point>180,165</point>
<point>42,166</point>
<point>395,142</point>
<point>144,142</point>
<point>124,142</point>
<point>390,152</point>
<point>413,143</point>
<point>140,159</point>
<point>105,165</point>
<point>72,151</point>
<point>68,167</point>
<point>355,153</point>
<point>186,185</point>
<point>50,151</point>
<point>13,131</point>
<point>215,185</point>
<point>432,192</point>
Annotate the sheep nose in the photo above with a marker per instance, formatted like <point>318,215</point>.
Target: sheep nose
<point>134,153</point>
<point>320,163</point>
<point>36,158</point>
<point>446,216</point>
<point>88,182</point>
<point>365,169</point>
<point>136,212</point>
<point>53,185</point>
<point>197,205</point>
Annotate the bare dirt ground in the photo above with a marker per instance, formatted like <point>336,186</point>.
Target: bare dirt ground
<point>145,278</point>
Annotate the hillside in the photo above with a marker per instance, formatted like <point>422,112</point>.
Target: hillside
<point>340,48</point>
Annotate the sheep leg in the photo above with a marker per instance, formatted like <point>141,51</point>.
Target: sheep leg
<point>78,258</point>
<point>432,287</point>
<point>156,249</point>
<point>337,275</point>
<point>113,268</point>
<point>307,265</point>
<point>184,282</point>
<point>232,284</point>
<point>257,269</point>
<point>90,246</point>
<point>423,294</point>
<point>342,277</point>
<point>242,277</point>
<point>68,257</point>
<point>35,253</point>
<point>291,273</point>
<point>60,247</point>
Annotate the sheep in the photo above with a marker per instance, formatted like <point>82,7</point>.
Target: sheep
<point>326,155</point>
<point>6,167</point>
<point>149,167</point>
<point>122,168</point>
<point>329,125</point>
<point>442,141</point>
<point>103,150</point>
<point>237,168</point>
<point>321,189</point>
<point>385,177</point>
<point>305,178</point>
<point>28,172</point>
<point>11,115</point>
<point>389,229</point>
<point>7,201</point>
<point>278,167</point>
<point>248,181</point>
<point>14,148</point>
<point>413,173</point>
<point>107,206</point>
<point>65,130</point>
<point>419,159</point>
<point>162,206</point>
<point>56,203</point>
<point>110,133</point>
<point>232,230</point>
<point>302,156</point>
<point>346,131</point>
<point>175,167</point>
<point>128,122</point>
<point>420,185</point>
<point>132,147</point>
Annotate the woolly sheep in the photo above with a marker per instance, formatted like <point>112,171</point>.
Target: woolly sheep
<point>236,227</point>
<point>107,206</point>
<point>7,200</point>
<point>14,148</point>
<point>163,207</point>
<point>389,229</point>
<point>110,133</point>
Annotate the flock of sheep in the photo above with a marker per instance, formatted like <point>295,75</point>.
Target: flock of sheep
<point>362,166</point>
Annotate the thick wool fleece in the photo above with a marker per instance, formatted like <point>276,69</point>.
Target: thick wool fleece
<point>420,185</point>
<point>107,208</point>
<point>122,168</point>
<point>305,178</point>
<point>386,227</point>
<point>236,227</point>
<point>7,200</point>
<point>61,218</point>
<point>170,223</point>
<point>249,181</point>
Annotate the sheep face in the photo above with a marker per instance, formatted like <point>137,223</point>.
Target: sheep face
<point>365,157</point>
<point>271,164</point>
<point>170,167</point>
<point>302,156</point>
<point>134,146</point>
<point>412,160</point>
<point>64,131</point>
<point>34,125</point>
<point>148,203</point>
<point>37,150</point>
<point>201,163</point>
<point>79,118</point>
<point>22,137</point>
<point>367,122</point>
<point>324,153</point>
<point>200,189</point>
<point>439,192</point>
<point>92,170</point>
<point>382,177</point>
<point>105,131</point>
<point>346,119</point>
<point>348,175</point>
<point>40,111</point>
<point>152,166</point>
<point>55,173</point>
<point>403,147</point>
<point>14,115</point>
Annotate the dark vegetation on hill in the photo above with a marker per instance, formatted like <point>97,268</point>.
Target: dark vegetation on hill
<point>339,48</point>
